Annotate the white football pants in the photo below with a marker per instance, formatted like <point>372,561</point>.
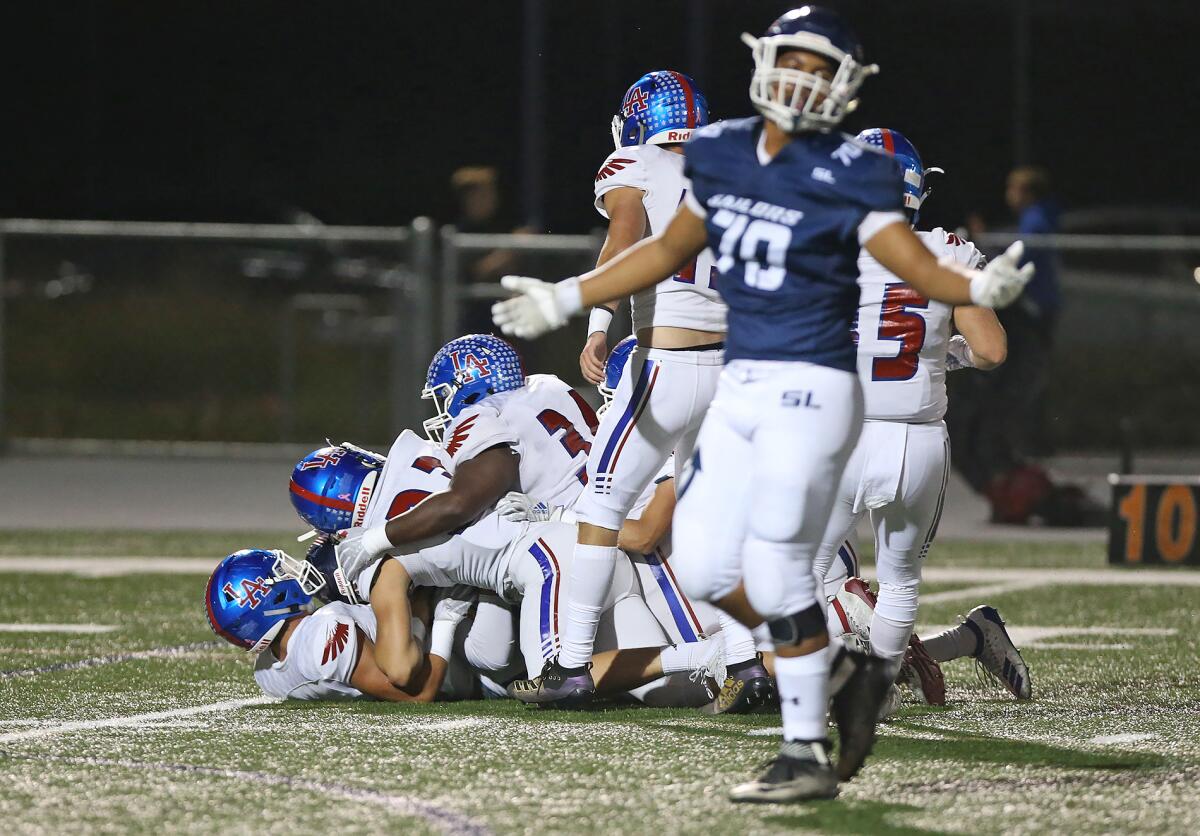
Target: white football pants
<point>755,499</point>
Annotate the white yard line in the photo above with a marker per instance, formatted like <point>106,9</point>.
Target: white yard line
<point>108,567</point>
<point>1042,636</point>
<point>1087,577</point>
<point>133,719</point>
<point>977,593</point>
<point>1112,739</point>
<point>11,627</point>
<point>452,725</point>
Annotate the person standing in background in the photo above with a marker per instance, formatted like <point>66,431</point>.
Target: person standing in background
<point>997,422</point>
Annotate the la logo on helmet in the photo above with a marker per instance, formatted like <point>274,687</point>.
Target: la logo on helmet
<point>469,360</point>
<point>251,589</point>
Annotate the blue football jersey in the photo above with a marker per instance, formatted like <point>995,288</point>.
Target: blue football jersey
<point>785,235</point>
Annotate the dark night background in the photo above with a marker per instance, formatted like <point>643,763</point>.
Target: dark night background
<point>358,111</point>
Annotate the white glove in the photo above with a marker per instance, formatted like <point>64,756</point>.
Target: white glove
<point>539,306</point>
<point>959,354</point>
<point>447,615</point>
<point>457,605</point>
<point>1000,283</point>
<point>519,507</point>
<point>358,549</point>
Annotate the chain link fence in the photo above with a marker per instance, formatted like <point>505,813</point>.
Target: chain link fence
<point>249,333</point>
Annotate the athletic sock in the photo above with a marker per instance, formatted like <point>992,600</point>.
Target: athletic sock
<point>738,640</point>
<point>587,587</point>
<point>954,643</point>
<point>803,683</point>
<point>892,622</point>
<point>686,657</point>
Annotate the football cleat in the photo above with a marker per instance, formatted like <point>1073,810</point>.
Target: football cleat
<point>744,691</point>
<point>996,656</point>
<point>922,674</point>
<point>801,772</point>
<point>856,707</point>
<point>556,687</point>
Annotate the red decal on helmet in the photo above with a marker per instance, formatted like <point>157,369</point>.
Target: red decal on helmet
<point>635,102</point>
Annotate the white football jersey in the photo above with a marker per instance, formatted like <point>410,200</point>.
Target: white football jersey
<point>545,421</point>
<point>322,653</point>
<point>324,649</point>
<point>902,337</point>
<point>415,469</point>
<point>688,299</point>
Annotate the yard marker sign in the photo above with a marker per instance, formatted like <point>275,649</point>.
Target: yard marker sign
<point>1154,520</point>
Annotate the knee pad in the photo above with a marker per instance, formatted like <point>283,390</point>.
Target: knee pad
<point>795,628</point>
<point>897,603</point>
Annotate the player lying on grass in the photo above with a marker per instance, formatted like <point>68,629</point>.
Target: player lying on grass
<point>254,601</point>
<point>516,562</point>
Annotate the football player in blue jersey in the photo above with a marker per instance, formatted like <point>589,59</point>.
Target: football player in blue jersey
<point>785,202</point>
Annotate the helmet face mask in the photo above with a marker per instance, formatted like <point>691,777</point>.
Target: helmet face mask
<point>797,100</point>
<point>465,371</point>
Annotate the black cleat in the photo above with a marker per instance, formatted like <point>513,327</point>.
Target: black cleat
<point>748,689</point>
<point>856,707</point>
<point>556,687</point>
<point>801,772</point>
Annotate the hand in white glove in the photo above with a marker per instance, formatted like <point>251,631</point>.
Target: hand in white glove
<point>958,354</point>
<point>539,306</point>
<point>358,548</point>
<point>1000,283</point>
<point>520,507</point>
<point>457,605</point>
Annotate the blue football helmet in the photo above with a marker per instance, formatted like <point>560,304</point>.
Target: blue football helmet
<point>320,573</point>
<point>465,371</point>
<point>249,597</point>
<point>618,358</point>
<point>330,487</point>
<point>896,144</point>
<point>799,101</point>
<point>660,108</point>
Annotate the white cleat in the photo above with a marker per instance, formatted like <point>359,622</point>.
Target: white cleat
<point>997,656</point>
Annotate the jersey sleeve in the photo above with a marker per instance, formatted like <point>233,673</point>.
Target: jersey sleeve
<point>329,648</point>
<point>423,570</point>
<point>943,243</point>
<point>624,168</point>
<point>473,431</point>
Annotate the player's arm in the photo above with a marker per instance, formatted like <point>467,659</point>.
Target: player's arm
<point>626,226</point>
<point>648,262</point>
<point>397,653</point>
<point>898,248</point>
<point>476,486</point>
<point>369,678</point>
<point>541,306</point>
<point>645,533</point>
<point>987,343</point>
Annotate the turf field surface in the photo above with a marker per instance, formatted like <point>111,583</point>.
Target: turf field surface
<point>119,712</point>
